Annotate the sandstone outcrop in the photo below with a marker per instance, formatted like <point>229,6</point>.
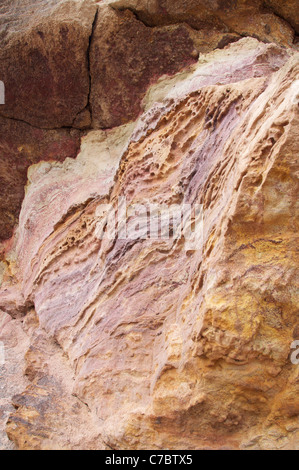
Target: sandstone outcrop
<point>21,146</point>
<point>288,10</point>
<point>267,21</point>
<point>44,60</point>
<point>126,57</point>
<point>86,64</point>
<point>136,342</point>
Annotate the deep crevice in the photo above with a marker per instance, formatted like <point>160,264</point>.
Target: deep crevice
<point>91,37</point>
<point>88,106</point>
<point>70,128</point>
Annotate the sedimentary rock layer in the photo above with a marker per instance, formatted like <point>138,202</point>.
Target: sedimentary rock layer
<point>87,64</point>
<point>167,346</point>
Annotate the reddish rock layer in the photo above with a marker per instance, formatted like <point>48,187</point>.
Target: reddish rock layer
<point>44,60</point>
<point>21,146</point>
<point>126,57</point>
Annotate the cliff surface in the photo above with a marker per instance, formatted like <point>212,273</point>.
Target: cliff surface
<point>137,342</point>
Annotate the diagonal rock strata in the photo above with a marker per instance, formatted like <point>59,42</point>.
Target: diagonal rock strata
<point>169,347</point>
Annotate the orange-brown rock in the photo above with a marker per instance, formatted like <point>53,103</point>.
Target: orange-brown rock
<point>288,10</point>
<point>168,346</point>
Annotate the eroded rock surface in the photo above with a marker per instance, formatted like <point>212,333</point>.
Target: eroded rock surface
<point>288,10</point>
<point>44,60</point>
<point>21,146</point>
<point>165,346</point>
<point>126,57</point>
<point>14,341</point>
<point>268,21</point>
<point>87,64</point>
<point>48,415</point>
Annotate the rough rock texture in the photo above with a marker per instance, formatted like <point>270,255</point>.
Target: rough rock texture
<point>60,60</point>
<point>126,57</point>
<point>244,17</point>
<point>12,379</point>
<point>21,146</point>
<point>140,343</point>
<point>44,64</point>
<point>288,10</point>
<point>87,64</point>
<point>49,416</point>
<point>44,60</point>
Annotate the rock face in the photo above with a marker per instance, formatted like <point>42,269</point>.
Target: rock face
<point>21,146</point>
<point>84,64</point>
<point>44,65</point>
<point>287,10</point>
<point>44,60</point>
<point>265,20</point>
<point>126,57</point>
<point>131,342</point>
